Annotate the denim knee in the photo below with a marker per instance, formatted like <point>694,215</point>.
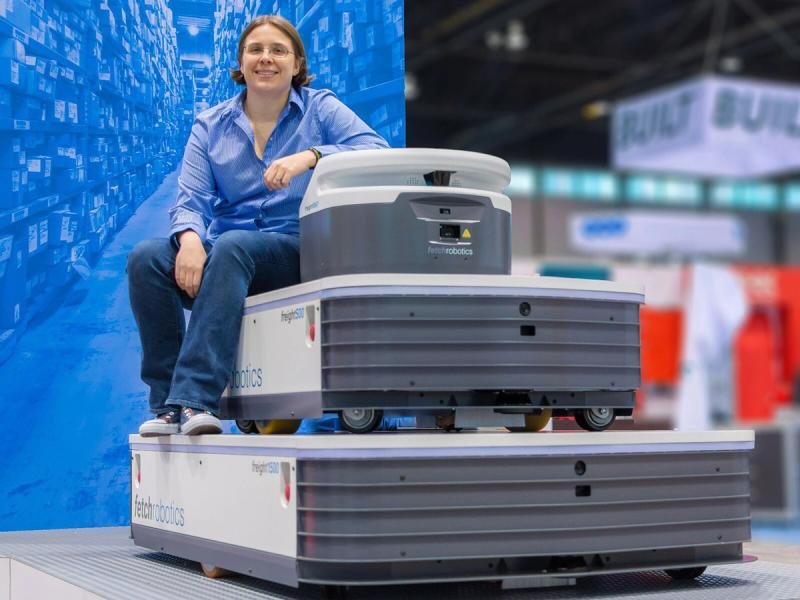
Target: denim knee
<point>232,242</point>
<point>145,257</point>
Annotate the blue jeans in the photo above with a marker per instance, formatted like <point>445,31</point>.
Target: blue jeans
<point>191,367</point>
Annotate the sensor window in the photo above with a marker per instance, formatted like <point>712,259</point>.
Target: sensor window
<point>449,232</point>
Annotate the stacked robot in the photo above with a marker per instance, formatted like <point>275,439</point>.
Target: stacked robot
<point>407,306</point>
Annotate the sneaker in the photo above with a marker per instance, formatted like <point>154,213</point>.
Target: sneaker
<point>196,422</point>
<point>164,424</point>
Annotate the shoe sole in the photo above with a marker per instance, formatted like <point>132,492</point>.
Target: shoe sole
<point>157,430</point>
<point>201,424</point>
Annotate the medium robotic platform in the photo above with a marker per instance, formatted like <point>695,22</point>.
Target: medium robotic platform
<point>375,509</point>
<point>407,306</point>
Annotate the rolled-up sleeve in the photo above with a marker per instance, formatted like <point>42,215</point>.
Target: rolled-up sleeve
<point>197,189</point>
<point>343,130</point>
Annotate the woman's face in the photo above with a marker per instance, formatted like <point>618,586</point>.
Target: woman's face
<point>266,65</point>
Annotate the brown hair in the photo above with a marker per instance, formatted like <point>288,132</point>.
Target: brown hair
<point>302,78</point>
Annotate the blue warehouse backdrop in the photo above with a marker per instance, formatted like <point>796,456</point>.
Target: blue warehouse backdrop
<point>96,102</point>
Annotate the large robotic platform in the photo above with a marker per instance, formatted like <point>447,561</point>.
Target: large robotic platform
<point>403,508</point>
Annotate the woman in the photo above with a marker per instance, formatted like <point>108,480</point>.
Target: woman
<point>234,225</point>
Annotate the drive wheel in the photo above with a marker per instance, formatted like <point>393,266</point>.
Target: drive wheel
<point>688,573</point>
<point>278,426</point>
<point>595,419</point>
<point>246,426</point>
<point>447,422</point>
<point>213,572</point>
<point>533,422</point>
<point>360,420</point>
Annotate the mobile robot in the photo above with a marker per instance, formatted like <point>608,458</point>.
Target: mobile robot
<point>407,306</point>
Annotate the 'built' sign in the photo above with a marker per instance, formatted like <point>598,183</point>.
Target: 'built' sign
<point>715,126</point>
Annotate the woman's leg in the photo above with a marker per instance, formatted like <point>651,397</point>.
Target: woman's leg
<point>157,305</point>
<point>240,263</point>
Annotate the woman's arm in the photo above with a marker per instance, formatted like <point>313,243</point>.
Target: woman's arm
<point>343,130</point>
<point>191,214</point>
<point>197,188</point>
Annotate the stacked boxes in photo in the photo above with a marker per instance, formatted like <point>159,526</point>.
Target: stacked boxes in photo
<point>90,122</point>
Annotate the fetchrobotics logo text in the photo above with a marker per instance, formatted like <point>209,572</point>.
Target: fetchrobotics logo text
<point>168,514</point>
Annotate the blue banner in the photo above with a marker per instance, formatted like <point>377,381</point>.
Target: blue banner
<point>96,102</point>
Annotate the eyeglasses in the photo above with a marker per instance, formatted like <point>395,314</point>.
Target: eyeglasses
<point>274,50</point>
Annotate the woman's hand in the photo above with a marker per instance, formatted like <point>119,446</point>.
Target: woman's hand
<point>281,171</point>
<point>189,262</point>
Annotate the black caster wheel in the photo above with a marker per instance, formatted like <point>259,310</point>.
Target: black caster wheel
<point>246,426</point>
<point>360,420</point>
<point>688,573</point>
<point>595,419</point>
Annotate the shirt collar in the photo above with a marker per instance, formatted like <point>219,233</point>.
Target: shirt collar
<point>237,105</point>
<point>296,99</point>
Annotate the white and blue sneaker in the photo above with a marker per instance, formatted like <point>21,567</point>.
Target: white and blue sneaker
<point>196,422</point>
<point>167,423</point>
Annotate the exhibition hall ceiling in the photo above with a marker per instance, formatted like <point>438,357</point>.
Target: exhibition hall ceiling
<point>535,79</point>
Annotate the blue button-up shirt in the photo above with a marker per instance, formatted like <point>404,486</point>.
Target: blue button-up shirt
<point>221,185</point>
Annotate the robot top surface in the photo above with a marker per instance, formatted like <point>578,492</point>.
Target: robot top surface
<point>353,177</point>
<point>476,285</point>
<point>531,443</point>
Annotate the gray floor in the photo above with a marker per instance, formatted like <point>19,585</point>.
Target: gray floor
<point>105,562</point>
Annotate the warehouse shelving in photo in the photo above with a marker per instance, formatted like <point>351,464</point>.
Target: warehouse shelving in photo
<point>90,122</point>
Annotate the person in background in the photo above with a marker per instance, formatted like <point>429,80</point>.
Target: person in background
<point>234,227</point>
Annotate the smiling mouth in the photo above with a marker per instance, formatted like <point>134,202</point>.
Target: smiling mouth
<point>266,73</point>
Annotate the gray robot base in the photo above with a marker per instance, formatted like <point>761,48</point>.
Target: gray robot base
<point>339,510</point>
<point>502,348</point>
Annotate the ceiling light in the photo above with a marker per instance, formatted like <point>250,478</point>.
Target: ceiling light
<point>516,38</point>
<point>596,110</point>
<point>730,64</point>
<point>411,87</point>
<point>495,40</point>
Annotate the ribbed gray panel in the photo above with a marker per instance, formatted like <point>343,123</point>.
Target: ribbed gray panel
<point>465,307</point>
<point>510,494</point>
<point>431,509</point>
<point>503,469</point>
<point>473,342</point>
<point>456,375</point>
<point>513,352</point>
<point>573,541</point>
<point>484,329</point>
<point>451,520</point>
